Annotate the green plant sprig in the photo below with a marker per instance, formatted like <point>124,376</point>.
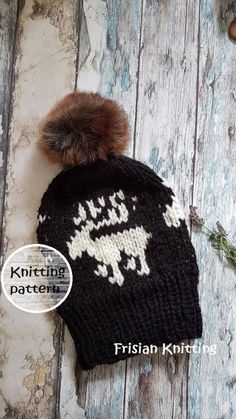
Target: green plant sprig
<point>218,237</point>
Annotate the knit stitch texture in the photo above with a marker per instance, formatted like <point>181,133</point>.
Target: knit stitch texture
<point>134,268</point>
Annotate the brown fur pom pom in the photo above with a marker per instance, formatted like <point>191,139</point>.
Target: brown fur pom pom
<point>84,127</point>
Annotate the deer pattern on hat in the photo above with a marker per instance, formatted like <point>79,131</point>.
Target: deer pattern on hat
<point>134,268</point>
<point>108,249</point>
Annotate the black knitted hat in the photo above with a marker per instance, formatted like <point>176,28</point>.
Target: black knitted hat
<point>134,268</point>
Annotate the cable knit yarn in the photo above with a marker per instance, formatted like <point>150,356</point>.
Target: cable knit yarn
<point>135,273</point>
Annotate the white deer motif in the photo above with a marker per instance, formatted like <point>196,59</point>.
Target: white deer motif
<point>174,213</point>
<point>107,249</point>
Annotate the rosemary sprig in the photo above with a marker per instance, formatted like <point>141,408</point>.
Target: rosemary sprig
<point>218,237</point>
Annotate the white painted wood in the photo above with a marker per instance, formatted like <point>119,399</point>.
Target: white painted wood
<point>8,16</point>
<point>44,71</point>
<point>108,53</point>
<point>108,63</point>
<point>70,400</point>
<point>211,388</point>
<point>37,354</point>
<point>156,387</point>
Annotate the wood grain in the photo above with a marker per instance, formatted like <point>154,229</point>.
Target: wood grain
<point>8,18</point>
<point>45,42</point>
<point>212,378</point>
<point>172,67</point>
<point>157,386</point>
<point>108,63</point>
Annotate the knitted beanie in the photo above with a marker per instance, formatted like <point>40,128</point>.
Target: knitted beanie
<point>123,232</point>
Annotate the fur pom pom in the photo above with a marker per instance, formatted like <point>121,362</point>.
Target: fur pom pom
<point>84,127</point>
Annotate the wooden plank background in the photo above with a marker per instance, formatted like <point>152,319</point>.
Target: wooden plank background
<point>172,67</point>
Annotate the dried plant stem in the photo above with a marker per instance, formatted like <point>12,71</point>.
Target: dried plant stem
<point>218,237</point>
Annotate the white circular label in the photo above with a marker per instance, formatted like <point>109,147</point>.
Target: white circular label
<point>36,278</point>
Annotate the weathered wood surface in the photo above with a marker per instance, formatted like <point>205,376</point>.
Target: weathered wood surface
<point>212,379</point>
<point>8,18</point>
<point>108,63</point>
<point>171,65</point>
<point>44,70</point>
<point>157,386</point>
